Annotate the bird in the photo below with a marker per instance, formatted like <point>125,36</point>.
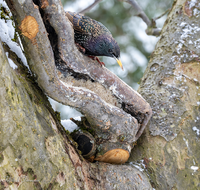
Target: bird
<point>93,38</point>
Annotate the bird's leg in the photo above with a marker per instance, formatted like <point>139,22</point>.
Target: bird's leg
<point>80,48</point>
<point>97,59</point>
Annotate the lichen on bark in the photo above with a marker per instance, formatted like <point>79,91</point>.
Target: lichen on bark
<point>171,81</point>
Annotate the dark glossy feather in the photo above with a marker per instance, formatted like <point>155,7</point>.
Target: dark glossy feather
<point>86,25</point>
<point>93,36</point>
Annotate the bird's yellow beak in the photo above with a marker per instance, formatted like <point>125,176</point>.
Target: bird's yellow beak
<point>119,62</point>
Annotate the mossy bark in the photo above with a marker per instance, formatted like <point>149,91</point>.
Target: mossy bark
<point>171,84</point>
<point>32,152</point>
<point>36,153</point>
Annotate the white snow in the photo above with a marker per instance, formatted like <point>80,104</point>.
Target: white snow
<point>183,24</point>
<point>179,47</point>
<point>70,125</point>
<point>140,166</point>
<point>190,42</point>
<point>196,129</point>
<point>10,61</point>
<point>195,168</point>
<point>7,32</point>
<point>196,12</point>
<point>192,3</point>
<point>186,142</point>
<point>188,32</point>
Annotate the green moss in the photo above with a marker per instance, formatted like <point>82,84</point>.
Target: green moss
<point>30,171</point>
<point>5,13</point>
<point>15,37</point>
<point>67,132</point>
<point>90,130</point>
<point>58,116</point>
<point>1,158</point>
<point>121,138</point>
<point>9,178</point>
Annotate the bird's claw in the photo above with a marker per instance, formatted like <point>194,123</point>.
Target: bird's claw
<point>80,48</point>
<point>97,59</point>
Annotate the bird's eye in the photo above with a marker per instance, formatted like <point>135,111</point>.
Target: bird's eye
<point>110,50</point>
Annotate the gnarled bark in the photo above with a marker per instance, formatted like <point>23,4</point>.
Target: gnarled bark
<point>35,151</point>
<point>170,148</point>
<point>112,112</point>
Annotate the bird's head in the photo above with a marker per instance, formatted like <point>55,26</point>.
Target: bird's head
<point>107,46</point>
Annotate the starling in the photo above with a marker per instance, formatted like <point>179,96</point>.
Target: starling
<point>93,38</point>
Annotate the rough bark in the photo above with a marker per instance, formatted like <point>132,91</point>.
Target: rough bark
<point>112,112</point>
<point>170,146</point>
<point>168,149</point>
<point>35,151</point>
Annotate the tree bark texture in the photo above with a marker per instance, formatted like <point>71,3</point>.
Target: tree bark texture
<point>35,151</point>
<point>171,84</point>
<point>117,112</point>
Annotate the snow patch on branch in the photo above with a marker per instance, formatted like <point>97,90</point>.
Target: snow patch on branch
<point>139,165</point>
<point>196,130</point>
<point>7,32</point>
<point>188,30</point>
<point>12,64</point>
<point>192,3</point>
<point>194,168</point>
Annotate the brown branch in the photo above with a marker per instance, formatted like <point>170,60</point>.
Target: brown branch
<point>162,14</point>
<point>153,31</point>
<point>90,7</point>
<point>109,105</point>
<point>109,121</point>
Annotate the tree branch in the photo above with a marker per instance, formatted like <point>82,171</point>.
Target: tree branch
<point>77,79</point>
<point>139,12</point>
<point>162,14</point>
<point>40,149</point>
<point>90,7</point>
<point>151,25</point>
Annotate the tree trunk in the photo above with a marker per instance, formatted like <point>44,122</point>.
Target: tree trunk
<point>36,152</point>
<point>116,113</point>
<point>171,84</point>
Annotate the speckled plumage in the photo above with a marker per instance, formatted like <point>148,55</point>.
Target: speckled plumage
<point>94,37</point>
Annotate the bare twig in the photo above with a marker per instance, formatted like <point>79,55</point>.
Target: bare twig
<point>153,31</point>
<point>151,25</point>
<point>162,14</point>
<point>90,7</point>
<point>139,12</point>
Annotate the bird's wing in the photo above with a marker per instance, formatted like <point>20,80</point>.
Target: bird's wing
<point>85,25</point>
